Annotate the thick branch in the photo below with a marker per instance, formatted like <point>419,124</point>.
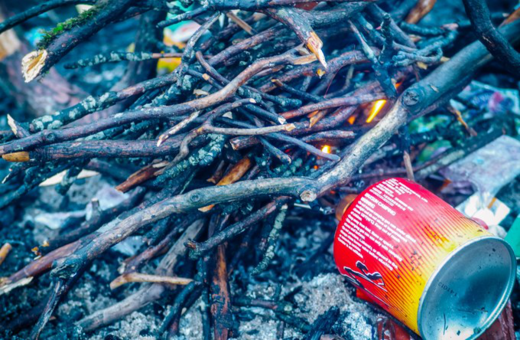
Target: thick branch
<point>67,40</point>
<point>37,10</point>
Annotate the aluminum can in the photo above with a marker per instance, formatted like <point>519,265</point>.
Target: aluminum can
<point>437,271</point>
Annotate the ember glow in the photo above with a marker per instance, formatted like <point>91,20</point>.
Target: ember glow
<point>326,148</point>
<point>376,108</point>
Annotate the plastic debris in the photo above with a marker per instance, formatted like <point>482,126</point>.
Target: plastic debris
<point>108,197</point>
<point>488,170</point>
<point>55,220</point>
<point>129,246</point>
<point>495,100</point>
<point>56,179</point>
<point>513,237</point>
<point>491,215</point>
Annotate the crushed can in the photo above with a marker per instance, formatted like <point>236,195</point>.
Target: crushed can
<point>438,272</point>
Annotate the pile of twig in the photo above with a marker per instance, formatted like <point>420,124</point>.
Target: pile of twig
<point>236,134</point>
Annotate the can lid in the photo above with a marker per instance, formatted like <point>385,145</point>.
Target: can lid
<point>468,290</point>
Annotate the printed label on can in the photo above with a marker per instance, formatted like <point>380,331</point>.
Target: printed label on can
<point>392,238</point>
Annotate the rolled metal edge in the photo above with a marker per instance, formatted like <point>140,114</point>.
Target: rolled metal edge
<point>499,306</point>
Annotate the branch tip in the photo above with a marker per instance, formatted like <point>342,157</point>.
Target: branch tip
<point>32,64</point>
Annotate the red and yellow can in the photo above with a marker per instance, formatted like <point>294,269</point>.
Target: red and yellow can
<point>435,270</point>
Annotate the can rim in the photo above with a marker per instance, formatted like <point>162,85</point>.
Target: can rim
<point>503,301</point>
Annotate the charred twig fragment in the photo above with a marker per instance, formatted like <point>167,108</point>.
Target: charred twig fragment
<point>114,57</point>
<point>189,50</point>
<point>296,19</point>
<point>140,277</point>
<point>381,73</point>
<point>328,135</point>
<point>400,36</point>
<point>205,314</point>
<point>69,178</point>
<point>334,65</point>
<point>182,17</point>
<point>172,131</point>
<point>424,31</point>
<point>277,306</point>
<point>248,132</point>
<point>427,56</point>
<point>198,249</point>
<point>4,251</point>
<point>294,321</point>
<point>18,130</point>
<point>202,157</point>
<point>34,176</point>
<point>271,241</point>
<point>220,302</point>
<point>101,149</point>
<point>241,23</point>
<point>430,53</point>
<point>233,175</point>
<point>488,35</point>
<point>301,94</point>
<point>422,8</point>
<point>323,324</point>
<point>187,140</point>
<point>170,322</point>
<point>219,298</point>
<point>279,154</point>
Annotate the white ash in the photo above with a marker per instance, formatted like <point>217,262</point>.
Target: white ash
<point>259,328</point>
<point>360,322</point>
<point>92,301</point>
<point>320,294</point>
<point>190,326</point>
<point>68,308</point>
<point>329,290</point>
<point>261,290</point>
<point>136,326</point>
<point>101,271</point>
